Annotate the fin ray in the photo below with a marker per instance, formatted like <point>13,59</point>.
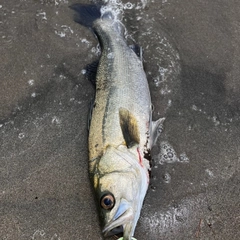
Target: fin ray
<point>91,72</point>
<point>155,131</point>
<point>86,14</point>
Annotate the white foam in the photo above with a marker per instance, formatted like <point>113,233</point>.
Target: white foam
<point>21,135</point>
<point>128,5</point>
<point>31,82</point>
<point>56,120</point>
<point>210,173</point>
<point>84,71</point>
<point>159,222</point>
<point>57,2</point>
<point>110,55</point>
<point>42,14</point>
<point>64,31</point>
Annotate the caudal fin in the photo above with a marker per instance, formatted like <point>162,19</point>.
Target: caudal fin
<point>86,14</point>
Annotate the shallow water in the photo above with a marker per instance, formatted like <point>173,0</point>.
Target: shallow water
<point>191,57</point>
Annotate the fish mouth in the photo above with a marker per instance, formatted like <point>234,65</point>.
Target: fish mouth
<point>122,222</point>
<point>117,231</point>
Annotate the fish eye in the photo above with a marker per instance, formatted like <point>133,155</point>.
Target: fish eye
<point>107,201</point>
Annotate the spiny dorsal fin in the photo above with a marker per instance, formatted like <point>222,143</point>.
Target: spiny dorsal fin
<point>129,127</point>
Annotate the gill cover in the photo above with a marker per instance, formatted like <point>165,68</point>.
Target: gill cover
<point>119,173</point>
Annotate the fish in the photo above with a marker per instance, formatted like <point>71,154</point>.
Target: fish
<point>121,131</point>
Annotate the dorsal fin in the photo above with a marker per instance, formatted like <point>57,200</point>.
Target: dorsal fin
<point>91,72</point>
<point>129,127</point>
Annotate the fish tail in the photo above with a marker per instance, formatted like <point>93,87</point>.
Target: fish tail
<point>86,14</point>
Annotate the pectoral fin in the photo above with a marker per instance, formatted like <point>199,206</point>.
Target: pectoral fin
<point>155,131</point>
<point>129,127</point>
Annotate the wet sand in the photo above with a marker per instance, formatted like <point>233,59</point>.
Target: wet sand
<point>191,57</point>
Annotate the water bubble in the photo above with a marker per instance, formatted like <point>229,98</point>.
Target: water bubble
<point>179,218</point>
<point>153,188</point>
<point>154,178</point>
<point>215,120</point>
<point>165,90</point>
<point>128,5</point>
<point>167,155</point>
<point>56,120</point>
<point>42,15</point>
<point>209,172</point>
<point>169,103</point>
<point>167,178</point>
<point>157,81</point>
<point>194,107</point>
<point>31,82</point>
<point>96,50</point>
<point>160,129</point>
<point>21,135</point>
<point>183,157</point>
<point>110,55</point>
<point>175,205</point>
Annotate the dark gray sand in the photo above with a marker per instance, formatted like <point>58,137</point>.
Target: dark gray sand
<point>192,60</point>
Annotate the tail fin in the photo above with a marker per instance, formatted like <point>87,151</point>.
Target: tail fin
<point>86,13</point>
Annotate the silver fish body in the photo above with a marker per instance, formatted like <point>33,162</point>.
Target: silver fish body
<point>121,89</point>
<point>121,131</point>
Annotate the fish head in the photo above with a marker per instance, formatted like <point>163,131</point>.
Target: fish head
<point>121,183</point>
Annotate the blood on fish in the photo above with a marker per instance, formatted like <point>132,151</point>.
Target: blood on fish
<point>140,157</point>
<point>141,163</point>
<point>147,124</point>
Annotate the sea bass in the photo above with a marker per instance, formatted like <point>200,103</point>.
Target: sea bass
<point>121,131</point>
